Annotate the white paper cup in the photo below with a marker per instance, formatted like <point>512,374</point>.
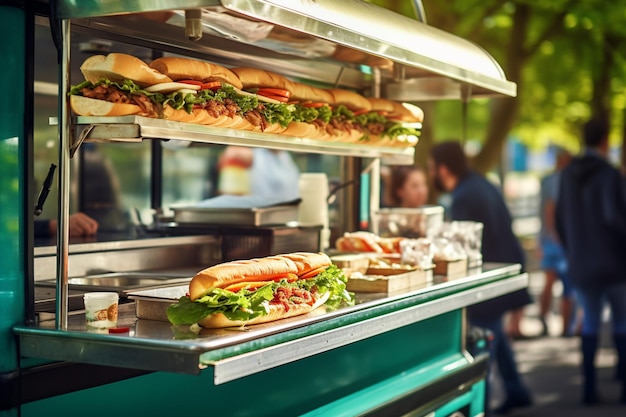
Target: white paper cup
<point>101,309</point>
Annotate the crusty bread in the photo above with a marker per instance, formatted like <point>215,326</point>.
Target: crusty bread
<point>119,67</point>
<point>274,128</point>
<point>187,68</point>
<point>406,112</point>
<point>85,106</point>
<point>221,275</point>
<point>303,92</point>
<point>350,99</point>
<point>200,116</point>
<point>301,130</point>
<point>307,261</point>
<point>253,77</point>
<point>381,104</point>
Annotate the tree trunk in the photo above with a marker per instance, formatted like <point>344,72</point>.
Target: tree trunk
<point>504,110</point>
<point>602,80</point>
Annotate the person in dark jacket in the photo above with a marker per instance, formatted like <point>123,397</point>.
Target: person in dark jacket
<point>591,223</point>
<point>476,199</point>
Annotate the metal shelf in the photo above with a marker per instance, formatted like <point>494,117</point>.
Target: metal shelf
<point>134,128</point>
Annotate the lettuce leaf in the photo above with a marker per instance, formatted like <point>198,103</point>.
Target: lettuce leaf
<point>278,113</point>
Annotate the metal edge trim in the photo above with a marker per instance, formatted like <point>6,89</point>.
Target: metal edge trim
<point>253,362</point>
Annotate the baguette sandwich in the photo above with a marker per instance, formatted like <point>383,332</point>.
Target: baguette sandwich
<point>193,91</point>
<point>261,290</point>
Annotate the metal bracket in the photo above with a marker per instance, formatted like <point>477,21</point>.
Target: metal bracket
<point>81,138</point>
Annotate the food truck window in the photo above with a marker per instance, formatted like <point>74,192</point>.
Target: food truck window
<point>109,181</point>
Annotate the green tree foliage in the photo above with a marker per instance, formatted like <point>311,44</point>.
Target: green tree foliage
<point>566,56</point>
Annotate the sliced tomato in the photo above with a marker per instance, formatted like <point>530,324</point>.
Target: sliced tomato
<point>212,85</point>
<point>265,91</point>
<point>314,104</point>
<point>314,272</point>
<point>194,82</point>
<point>360,112</point>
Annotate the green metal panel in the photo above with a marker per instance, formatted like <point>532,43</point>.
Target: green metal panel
<point>12,181</point>
<point>432,346</point>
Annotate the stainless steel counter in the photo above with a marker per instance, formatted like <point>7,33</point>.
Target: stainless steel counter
<point>159,346</point>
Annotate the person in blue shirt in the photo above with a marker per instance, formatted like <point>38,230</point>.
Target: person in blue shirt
<point>591,222</point>
<point>553,261</point>
<point>476,199</point>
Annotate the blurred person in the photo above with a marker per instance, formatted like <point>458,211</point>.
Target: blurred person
<point>101,190</point>
<point>553,261</point>
<point>408,187</point>
<point>259,172</point>
<point>591,223</point>
<point>476,199</point>
<point>80,224</point>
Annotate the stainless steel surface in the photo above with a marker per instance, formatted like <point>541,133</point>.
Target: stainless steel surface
<point>154,345</point>
<point>124,282</point>
<point>107,129</point>
<point>237,216</point>
<point>151,304</point>
<point>324,29</point>
<point>94,245</point>
<point>63,208</point>
<point>167,255</point>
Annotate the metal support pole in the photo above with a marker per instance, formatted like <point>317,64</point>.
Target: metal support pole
<point>64,181</point>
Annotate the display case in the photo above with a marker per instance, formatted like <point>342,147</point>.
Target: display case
<point>386,355</point>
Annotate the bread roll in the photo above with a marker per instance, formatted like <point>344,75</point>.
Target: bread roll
<point>221,275</point>
<point>350,99</point>
<point>406,112</point>
<point>255,78</point>
<point>306,261</point>
<point>301,130</point>
<point>84,106</point>
<point>119,67</point>
<point>186,68</point>
<point>199,116</point>
<point>303,93</point>
<point>381,104</point>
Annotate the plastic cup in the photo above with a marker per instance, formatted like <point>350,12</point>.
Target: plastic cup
<point>101,310</point>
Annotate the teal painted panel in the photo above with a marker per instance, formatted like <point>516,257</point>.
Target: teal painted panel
<point>393,389</point>
<point>288,390</point>
<point>12,182</point>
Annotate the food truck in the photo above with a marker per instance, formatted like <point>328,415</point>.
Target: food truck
<point>402,352</point>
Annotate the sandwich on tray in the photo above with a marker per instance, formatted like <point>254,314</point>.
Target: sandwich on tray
<point>261,290</point>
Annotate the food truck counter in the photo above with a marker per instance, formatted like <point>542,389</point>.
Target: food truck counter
<point>160,346</point>
<point>414,341</point>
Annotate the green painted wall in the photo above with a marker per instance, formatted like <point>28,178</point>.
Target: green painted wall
<point>12,182</point>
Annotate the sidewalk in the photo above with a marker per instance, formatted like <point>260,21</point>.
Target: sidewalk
<point>551,368</point>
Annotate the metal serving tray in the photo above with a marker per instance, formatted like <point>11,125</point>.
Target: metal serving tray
<point>121,282</point>
<point>152,304</point>
<point>237,216</point>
